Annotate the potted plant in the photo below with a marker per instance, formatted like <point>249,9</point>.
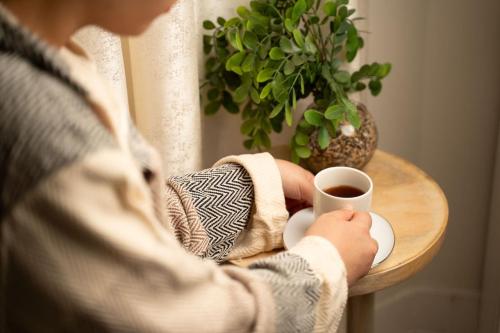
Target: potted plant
<point>280,51</point>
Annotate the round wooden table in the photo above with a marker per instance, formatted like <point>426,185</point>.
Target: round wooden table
<point>417,209</point>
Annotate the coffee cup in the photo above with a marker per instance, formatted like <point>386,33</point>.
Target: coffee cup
<point>342,187</point>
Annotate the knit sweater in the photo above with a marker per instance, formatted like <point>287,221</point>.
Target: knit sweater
<point>94,239</point>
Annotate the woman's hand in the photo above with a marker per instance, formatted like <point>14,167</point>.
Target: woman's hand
<point>349,232</point>
<point>298,185</point>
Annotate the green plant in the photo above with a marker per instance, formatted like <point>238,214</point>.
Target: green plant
<point>279,51</point>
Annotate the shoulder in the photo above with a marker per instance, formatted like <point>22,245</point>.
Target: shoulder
<point>45,124</point>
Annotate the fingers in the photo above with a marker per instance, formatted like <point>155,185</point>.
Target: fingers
<point>298,183</point>
<point>363,219</point>
<point>307,189</point>
<point>343,214</point>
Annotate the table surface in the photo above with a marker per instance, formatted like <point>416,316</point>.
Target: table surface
<point>417,209</point>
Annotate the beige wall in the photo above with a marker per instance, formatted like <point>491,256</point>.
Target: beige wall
<point>439,109</point>
<point>446,90</point>
<point>490,296</point>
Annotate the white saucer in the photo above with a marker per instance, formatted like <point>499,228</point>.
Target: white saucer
<point>381,231</point>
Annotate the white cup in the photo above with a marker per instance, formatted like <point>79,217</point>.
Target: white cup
<point>341,176</point>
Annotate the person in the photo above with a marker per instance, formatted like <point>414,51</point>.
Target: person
<point>94,239</point>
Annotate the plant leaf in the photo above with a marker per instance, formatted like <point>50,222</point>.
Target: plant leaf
<point>297,60</point>
<point>221,20</point>
<point>259,6</point>
<point>212,94</point>
<point>342,27</point>
<point>330,8</point>
<point>289,67</point>
<point>343,12</point>
<point>286,45</point>
<point>229,104</point>
<point>248,144</point>
<point>212,108</point>
<point>342,77</point>
<point>384,70</point>
<point>266,90</point>
<point>313,117</point>
<point>208,25</point>
<point>277,109</point>
<point>339,38</point>
<point>299,8</point>
<point>360,86</point>
<point>248,63</point>
<point>241,94</point>
<point>353,118</point>
<point>375,87</point>
<point>303,152</point>
<point>373,69</point>
<point>243,12</point>
<point>254,95</point>
<point>301,138</point>
<point>309,45</point>
<point>264,139</point>
<point>335,112</point>
<point>233,35</point>
<point>304,124</point>
<point>264,49</point>
<point>323,138</point>
<point>349,105</point>
<point>365,70</point>
<point>232,22</point>
<point>265,74</point>
<point>239,44</point>
<point>276,54</point>
<point>356,76</point>
<point>248,126</point>
<point>250,40</point>
<point>288,114</point>
<point>314,19</point>
<point>235,61</point>
<point>289,25</point>
<point>265,124</point>
<point>299,38</point>
<point>294,157</point>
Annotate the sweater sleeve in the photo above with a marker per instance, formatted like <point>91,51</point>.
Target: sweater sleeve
<point>84,252</point>
<point>209,209</point>
<point>269,215</point>
<point>235,209</point>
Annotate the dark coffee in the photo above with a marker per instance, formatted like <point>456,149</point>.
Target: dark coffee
<point>344,191</point>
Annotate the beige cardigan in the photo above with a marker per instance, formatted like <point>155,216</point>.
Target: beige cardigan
<point>92,246</point>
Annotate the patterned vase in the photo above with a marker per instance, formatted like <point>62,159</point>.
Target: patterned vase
<point>352,147</point>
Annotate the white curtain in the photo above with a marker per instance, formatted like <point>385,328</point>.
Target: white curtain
<point>107,52</point>
<point>158,75</point>
<point>164,73</point>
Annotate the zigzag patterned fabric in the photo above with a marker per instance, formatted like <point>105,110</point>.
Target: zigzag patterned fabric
<point>295,288</point>
<point>210,209</point>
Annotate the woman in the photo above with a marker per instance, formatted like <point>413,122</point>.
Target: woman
<point>94,239</point>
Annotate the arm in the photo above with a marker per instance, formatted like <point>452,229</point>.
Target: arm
<point>236,208</point>
<point>85,251</point>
